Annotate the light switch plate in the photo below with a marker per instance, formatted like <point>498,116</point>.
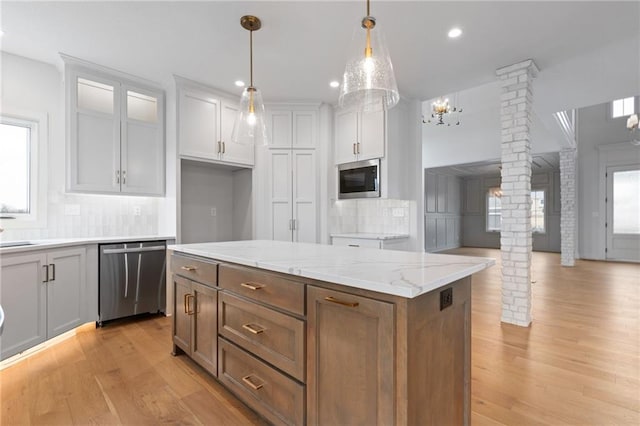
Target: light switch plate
<point>214,212</point>
<point>136,211</point>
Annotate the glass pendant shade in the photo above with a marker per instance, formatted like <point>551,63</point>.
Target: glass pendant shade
<point>250,125</point>
<point>368,83</point>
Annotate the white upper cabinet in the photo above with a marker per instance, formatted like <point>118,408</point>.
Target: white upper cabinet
<point>359,136</point>
<point>205,125</point>
<point>292,129</point>
<point>115,134</point>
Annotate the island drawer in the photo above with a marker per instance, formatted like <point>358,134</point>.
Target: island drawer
<point>263,287</point>
<point>269,392</point>
<point>194,269</point>
<point>273,336</point>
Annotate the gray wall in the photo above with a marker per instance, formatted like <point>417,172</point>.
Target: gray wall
<point>474,194</point>
<point>595,129</point>
<point>443,213</point>
<point>206,186</point>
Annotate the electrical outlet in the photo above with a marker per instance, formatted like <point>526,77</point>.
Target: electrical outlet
<point>446,298</point>
<point>397,212</point>
<point>137,211</point>
<point>214,212</point>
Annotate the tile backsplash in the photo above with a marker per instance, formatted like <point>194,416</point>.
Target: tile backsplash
<point>378,216</point>
<point>80,215</point>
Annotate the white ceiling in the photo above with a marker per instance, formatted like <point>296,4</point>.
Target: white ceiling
<point>303,44</point>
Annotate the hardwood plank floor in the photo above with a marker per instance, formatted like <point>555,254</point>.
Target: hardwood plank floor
<point>578,364</point>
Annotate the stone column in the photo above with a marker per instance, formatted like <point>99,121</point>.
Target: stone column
<point>515,236</point>
<point>568,211</point>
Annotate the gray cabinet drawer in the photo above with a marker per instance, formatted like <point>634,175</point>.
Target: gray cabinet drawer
<point>269,392</point>
<point>263,287</point>
<point>273,336</point>
<point>194,269</point>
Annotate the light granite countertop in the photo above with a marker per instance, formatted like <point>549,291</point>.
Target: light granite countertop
<point>400,273</point>
<point>66,242</point>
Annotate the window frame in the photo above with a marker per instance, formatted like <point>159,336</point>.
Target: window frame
<point>624,116</point>
<point>38,149</point>
<point>544,209</point>
<point>489,193</point>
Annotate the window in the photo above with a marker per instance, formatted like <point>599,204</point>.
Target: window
<point>494,210</point>
<point>626,202</point>
<point>623,107</point>
<point>537,211</point>
<point>22,170</point>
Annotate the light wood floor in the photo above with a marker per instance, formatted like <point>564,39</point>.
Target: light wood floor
<point>578,364</point>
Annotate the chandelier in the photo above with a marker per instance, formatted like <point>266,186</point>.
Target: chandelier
<point>439,109</point>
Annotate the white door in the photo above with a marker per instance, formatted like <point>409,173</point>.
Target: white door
<point>142,160</point>
<point>346,136</point>
<point>280,195</point>
<point>304,129</point>
<point>372,134</point>
<point>279,123</point>
<point>199,125</point>
<point>23,295</point>
<point>232,152</point>
<point>65,290</point>
<point>304,196</point>
<point>95,134</point>
<point>623,213</point>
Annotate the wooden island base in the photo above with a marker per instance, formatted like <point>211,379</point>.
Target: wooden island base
<point>360,357</point>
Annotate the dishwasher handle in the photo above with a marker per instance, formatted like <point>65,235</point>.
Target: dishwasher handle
<point>133,250</point>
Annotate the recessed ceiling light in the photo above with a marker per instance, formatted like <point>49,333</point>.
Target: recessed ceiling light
<point>334,84</point>
<point>239,83</point>
<point>455,32</point>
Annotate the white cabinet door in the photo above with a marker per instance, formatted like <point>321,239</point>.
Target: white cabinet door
<point>199,125</point>
<point>280,195</point>
<point>371,135</point>
<point>280,128</point>
<point>304,129</point>
<point>304,196</point>
<point>346,136</point>
<point>142,149</point>
<point>65,290</point>
<point>23,295</point>
<point>233,152</point>
<point>94,125</point>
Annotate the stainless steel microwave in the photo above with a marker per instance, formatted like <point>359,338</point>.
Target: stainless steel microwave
<point>359,180</point>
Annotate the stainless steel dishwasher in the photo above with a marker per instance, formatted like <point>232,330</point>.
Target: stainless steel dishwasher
<point>132,279</point>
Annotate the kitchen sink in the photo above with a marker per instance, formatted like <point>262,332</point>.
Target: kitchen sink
<point>5,244</point>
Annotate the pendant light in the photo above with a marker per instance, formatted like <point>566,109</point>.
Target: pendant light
<point>250,126</point>
<point>368,83</point>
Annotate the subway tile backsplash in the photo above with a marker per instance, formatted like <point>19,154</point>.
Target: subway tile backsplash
<point>80,215</point>
<point>378,216</point>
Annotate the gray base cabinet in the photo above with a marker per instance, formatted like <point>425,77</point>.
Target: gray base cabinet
<point>43,295</point>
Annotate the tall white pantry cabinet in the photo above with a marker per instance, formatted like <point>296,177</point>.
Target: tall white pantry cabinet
<point>292,177</point>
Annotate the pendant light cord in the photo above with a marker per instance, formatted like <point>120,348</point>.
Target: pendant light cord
<point>251,57</point>
<point>368,9</point>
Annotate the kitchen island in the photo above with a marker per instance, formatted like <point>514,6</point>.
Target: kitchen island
<point>316,334</point>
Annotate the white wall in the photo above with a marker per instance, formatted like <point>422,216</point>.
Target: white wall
<point>595,128</point>
<point>38,87</point>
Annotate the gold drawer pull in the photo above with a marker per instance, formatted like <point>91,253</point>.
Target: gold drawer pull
<point>252,286</point>
<point>341,302</point>
<point>188,268</point>
<point>248,381</point>
<point>254,328</point>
